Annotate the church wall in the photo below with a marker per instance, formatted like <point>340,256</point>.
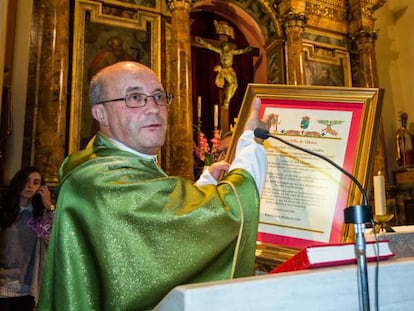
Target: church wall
<point>13,156</point>
<point>395,53</point>
<point>394,49</point>
<point>3,39</point>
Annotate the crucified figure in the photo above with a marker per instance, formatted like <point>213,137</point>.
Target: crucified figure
<point>226,76</point>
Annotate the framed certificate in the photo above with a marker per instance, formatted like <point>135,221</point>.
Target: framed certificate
<point>304,196</point>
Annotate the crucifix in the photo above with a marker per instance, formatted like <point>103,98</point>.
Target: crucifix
<point>226,78</point>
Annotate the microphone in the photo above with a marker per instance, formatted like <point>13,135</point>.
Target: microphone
<point>357,215</point>
<point>264,134</point>
<point>261,133</point>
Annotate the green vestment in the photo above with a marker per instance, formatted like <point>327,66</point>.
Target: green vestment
<point>125,234</point>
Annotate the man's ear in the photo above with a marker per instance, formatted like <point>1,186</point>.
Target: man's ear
<point>99,113</point>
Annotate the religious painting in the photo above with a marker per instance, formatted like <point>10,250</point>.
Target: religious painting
<point>100,40</point>
<point>276,65</point>
<point>326,66</point>
<point>318,132</point>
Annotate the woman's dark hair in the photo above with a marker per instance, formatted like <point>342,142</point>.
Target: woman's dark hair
<point>10,201</point>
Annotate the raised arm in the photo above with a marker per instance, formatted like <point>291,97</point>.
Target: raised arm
<point>207,45</point>
<point>242,51</point>
<point>250,153</point>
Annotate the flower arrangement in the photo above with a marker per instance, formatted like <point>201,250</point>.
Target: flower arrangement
<point>202,148</point>
<point>42,225</point>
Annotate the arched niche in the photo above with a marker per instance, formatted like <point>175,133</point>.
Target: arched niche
<point>261,36</point>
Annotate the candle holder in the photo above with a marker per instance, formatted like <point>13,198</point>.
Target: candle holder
<point>198,123</point>
<point>382,223</point>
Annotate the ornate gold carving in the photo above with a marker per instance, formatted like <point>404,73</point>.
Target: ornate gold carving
<point>324,52</point>
<point>120,12</point>
<point>364,8</point>
<point>370,6</point>
<point>179,4</point>
<point>329,11</point>
<point>294,22</point>
<point>365,39</point>
<point>222,28</point>
<point>340,4</point>
<point>317,58</point>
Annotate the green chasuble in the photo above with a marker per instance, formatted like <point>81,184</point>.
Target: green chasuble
<point>125,234</point>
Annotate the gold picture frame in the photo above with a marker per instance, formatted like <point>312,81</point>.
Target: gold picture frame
<point>96,28</point>
<point>339,122</point>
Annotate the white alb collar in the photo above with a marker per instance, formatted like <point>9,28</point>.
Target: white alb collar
<point>124,147</point>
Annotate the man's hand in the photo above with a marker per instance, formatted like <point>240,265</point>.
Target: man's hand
<point>253,122</point>
<point>218,168</point>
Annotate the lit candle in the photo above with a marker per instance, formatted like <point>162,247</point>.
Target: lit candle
<point>379,195</point>
<point>199,107</point>
<point>215,116</point>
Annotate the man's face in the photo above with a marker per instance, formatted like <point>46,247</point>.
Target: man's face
<point>142,129</point>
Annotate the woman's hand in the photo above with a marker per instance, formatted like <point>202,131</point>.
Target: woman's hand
<point>46,196</point>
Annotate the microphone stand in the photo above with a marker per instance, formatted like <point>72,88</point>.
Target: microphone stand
<point>357,215</point>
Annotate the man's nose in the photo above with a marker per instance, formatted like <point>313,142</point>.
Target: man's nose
<point>151,105</point>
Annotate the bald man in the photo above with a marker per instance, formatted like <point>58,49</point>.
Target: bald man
<point>125,233</point>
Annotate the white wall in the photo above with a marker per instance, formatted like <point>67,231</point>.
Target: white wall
<point>3,31</point>
<point>19,88</point>
<point>395,61</point>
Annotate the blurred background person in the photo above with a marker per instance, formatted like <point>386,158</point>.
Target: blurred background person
<point>25,220</point>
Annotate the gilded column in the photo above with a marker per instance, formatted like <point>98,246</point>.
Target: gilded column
<point>363,35</point>
<point>361,30</point>
<point>365,43</point>
<point>181,115</point>
<point>47,90</point>
<point>294,27</point>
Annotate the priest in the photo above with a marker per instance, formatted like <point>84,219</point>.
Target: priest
<point>124,232</point>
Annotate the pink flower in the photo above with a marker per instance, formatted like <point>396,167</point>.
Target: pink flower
<point>215,140</point>
<point>203,150</point>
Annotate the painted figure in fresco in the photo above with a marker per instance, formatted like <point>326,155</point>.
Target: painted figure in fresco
<point>115,53</point>
<point>325,78</point>
<point>226,76</point>
<point>404,143</point>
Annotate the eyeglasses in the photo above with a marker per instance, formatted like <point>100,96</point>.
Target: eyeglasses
<point>139,100</point>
